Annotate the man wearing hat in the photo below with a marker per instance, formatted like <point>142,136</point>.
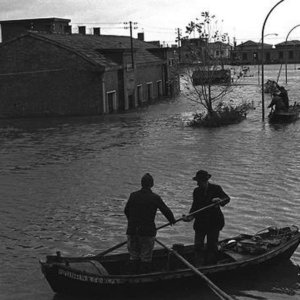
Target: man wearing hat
<point>210,222</point>
<point>140,211</point>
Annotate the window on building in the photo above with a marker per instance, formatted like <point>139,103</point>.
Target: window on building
<point>131,103</point>
<point>139,93</point>
<point>111,101</point>
<point>159,88</point>
<point>280,55</point>
<point>268,56</point>
<point>291,54</point>
<point>244,56</point>
<point>129,67</point>
<point>149,91</point>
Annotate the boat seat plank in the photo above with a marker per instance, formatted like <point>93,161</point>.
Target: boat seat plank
<point>238,256</point>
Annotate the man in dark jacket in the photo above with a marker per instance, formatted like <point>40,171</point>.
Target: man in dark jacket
<point>210,222</point>
<point>140,211</point>
<point>284,96</point>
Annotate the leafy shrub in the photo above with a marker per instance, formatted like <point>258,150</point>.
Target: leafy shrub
<point>223,115</point>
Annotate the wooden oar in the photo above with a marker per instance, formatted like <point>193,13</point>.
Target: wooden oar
<point>111,249</point>
<point>160,227</point>
<point>193,213</point>
<point>221,294</point>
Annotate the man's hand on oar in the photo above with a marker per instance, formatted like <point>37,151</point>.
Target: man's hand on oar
<point>191,216</point>
<point>187,218</point>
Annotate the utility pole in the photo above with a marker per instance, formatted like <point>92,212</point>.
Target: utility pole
<point>262,60</point>
<point>131,39</point>
<point>178,40</point>
<point>179,34</point>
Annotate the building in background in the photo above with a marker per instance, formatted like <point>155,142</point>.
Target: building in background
<point>49,71</point>
<point>13,28</point>
<point>249,53</point>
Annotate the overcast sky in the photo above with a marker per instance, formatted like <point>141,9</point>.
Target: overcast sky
<point>158,19</point>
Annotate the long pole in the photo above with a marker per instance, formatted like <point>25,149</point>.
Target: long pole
<point>262,60</point>
<point>286,55</point>
<point>221,294</point>
<point>258,72</point>
<point>160,227</point>
<point>131,44</point>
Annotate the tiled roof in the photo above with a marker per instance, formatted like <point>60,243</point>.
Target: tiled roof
<point>248,43</point>
<point>252,44</point>
<point>88,46</point>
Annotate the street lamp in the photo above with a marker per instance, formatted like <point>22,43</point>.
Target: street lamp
<point>276,34</point>
<point>262,60</point>
<point>287,51</point>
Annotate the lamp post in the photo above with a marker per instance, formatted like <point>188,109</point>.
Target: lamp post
<point>262,60</point>
<point>257,55</point>
<point>287,51</point>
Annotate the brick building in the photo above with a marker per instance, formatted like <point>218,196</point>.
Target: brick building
<point>44,73</point>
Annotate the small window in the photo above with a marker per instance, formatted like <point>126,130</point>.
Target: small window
<point>159,88</point>
<point>139,92</point>
<point>149,91</point>
<point>111,104</point>
<point>280,54</point>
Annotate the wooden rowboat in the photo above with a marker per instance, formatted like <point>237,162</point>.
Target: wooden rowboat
<point>109,274</point>
<point>285,116</point>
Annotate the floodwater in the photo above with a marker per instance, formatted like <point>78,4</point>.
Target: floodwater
<point>64,183</point>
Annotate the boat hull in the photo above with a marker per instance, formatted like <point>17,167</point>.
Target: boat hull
<point>284,117</point>
<point>63,279</point>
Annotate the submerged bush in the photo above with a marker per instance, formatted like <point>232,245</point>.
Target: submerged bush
<point>223,115</point>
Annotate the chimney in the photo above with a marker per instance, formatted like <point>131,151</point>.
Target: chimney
<point>96,30</point>
<point>141,36</point>
<point>81,30</point>
<point>68,29</point>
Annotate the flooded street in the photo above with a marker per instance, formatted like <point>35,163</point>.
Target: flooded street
<point>64,183</point>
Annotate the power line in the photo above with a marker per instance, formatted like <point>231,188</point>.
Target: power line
<point>96,23</point>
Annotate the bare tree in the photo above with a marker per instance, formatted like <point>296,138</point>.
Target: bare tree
<point>205,79</point>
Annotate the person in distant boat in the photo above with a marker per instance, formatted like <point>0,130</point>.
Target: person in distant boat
<point>210,222</point>
<point>278,102</point>
<point>140,211</point>
<point>284,96</point>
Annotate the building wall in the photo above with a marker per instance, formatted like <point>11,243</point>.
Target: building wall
<point>11,30</point>
<point>147,76</point>
<point>111,85</point>
<point>271,55</point>
<point>38,78</point>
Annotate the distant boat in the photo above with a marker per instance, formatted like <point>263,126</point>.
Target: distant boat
<point>107,275</point>
<point>211,77</point>
<point>285,116</point>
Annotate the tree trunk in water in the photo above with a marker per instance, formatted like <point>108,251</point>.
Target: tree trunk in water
<point>209,107</point>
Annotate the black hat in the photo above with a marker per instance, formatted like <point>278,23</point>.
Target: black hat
<point>201,176</point>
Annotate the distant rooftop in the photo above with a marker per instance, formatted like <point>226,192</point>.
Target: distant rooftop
<point>53,19</point>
